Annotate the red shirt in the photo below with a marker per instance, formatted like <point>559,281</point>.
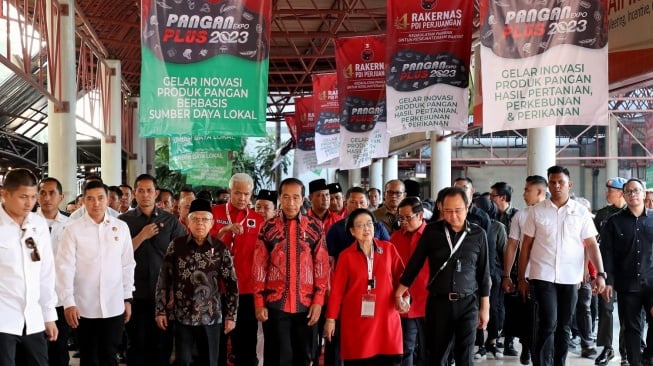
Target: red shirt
<point>329,219</point>
<point>291,265</point>
<point>406,242</point>
<point>241,246</point>
<point>363,337</point>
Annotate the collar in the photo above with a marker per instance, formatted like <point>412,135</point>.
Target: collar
<point>284,219</point>
<point>419,230</point>
<point>375,247</point>
<point>210,240</point>
<point>155,213</point>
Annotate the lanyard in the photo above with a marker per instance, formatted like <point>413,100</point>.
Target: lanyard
<point>370,269</point>
<point>229,216</point>
<point>451,247</point>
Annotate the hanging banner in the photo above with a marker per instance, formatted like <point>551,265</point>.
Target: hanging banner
<point>305,158</point>
<point>200,160</point>
<point>327,110</point>
<point>204,67</point>
<point>217,176</point>
<point>291,122</point>
<point>544,63</point>
<point>360,62</point>
<point>188,144</point>
<point>429,47</point>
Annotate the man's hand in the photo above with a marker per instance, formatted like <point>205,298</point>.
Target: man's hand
<point>314,314</point>
<point>507,285</point>
<point>72,316</point>
<point>598,285</point>
<point>51,331</point>
<point>483,317</point>
<point>128,311</point>
<point>607,293</point>
<point>261,314</point>
<point>149,231</point>
<point>329,329</point>
<point>402,305</point>
<point>161,322</point>
<point>229,325</point>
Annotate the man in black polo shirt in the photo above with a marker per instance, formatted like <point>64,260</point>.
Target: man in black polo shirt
<point>152,230</point>
<point>459,276</point>
<point>628,261</point>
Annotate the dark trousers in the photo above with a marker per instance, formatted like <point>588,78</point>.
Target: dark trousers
<point>244,337</point>
<point>414,336</point>
<point>584,315</point>
<point>58,350</point>
<point>148,344</point>
<point>380,360</point>
<point>292,336</point>
<point>555,307</point>
<point>34,349</point>
<point>205,337</point>
<point>451,323</point>
<point>99,340</point>
<point>630,308</point>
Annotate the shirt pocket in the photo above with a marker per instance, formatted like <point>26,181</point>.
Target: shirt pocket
<point>545,227</point>
<point>8,255</point>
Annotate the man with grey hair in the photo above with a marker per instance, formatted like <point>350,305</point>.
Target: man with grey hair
<point>237,226</point>
<point>394,192</point>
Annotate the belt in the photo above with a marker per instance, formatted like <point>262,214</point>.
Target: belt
<point>454,296</point>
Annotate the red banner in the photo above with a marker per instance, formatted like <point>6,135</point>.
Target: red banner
<point>360,62</point>
<point>429,47</point>
<point>291,122</point>
<point>327,111</point>
<point>305,158</point>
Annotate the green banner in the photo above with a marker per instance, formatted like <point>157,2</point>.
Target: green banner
<point>188,144</point>
<point>200,160</point>
<point>217,176</point>
<point>204,68</point>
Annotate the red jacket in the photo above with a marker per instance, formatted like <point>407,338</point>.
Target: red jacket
<point>406,243</point>
<point>329,219</point>
<point>366,337</point>
<point>291,265</point>
<point>241,246</point>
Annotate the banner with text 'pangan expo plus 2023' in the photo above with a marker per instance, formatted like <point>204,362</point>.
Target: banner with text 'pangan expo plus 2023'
<point>204,67</point>
<point>360,63</point>
<point>429,48</point>
<point>327,112</point>
<point>544,63</point>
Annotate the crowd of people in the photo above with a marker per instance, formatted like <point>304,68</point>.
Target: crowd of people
<point>362,277</point>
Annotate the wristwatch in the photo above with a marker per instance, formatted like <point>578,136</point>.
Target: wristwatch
<point>602,274</point>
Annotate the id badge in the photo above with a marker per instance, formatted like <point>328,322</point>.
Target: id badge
<point>367,305</point>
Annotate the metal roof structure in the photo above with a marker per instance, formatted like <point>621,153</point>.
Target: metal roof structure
<point>302,44</point>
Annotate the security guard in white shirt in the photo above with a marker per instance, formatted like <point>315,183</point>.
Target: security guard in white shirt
<point>95,277</point>
<point>27,296</point>
<point>50,197</point>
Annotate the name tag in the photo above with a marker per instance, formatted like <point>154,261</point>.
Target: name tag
<point>367,305</point>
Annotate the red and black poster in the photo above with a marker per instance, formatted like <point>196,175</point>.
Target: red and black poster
<point>327,111</point>
<point>360,63</point>
<point>305,159</point>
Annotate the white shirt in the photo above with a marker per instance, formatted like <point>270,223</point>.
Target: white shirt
<point>95,267</point>
<point>558,251</point>
<point>516,225</point>
<point>81,212</point>
<point>56,227</point>
<point>27,296</point>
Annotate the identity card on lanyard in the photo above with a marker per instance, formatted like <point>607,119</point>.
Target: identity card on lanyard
<point>369,299</point>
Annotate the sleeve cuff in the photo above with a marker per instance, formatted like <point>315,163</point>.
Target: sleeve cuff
<point>50,315</point>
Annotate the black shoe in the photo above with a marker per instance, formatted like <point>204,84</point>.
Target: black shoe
<point>588,352</point>
<point>606,355</point>
<point>493,350</point>
<point>525,357</point>
<point>510,350</point>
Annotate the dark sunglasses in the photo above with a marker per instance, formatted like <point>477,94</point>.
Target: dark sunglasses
<point>29,242</point>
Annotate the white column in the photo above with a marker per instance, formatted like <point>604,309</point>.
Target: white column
<point>376,175</point>
<point>390,168</point>
<point>354,178</point>
<point>440,162</point>
<point>149,157</point>
<point>137,166</point>
<point>612,149</point>
<point>62,130</point>
<point>541,150</point>
<point>111,144</point>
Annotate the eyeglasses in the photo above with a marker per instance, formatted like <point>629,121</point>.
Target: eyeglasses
<point>406,218</point>
<point>453,211</point>
<point>202,220</point>
<point>368,225</point>
<point>29,242</point>
<point>394,193</point>
<point>633,191</point>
